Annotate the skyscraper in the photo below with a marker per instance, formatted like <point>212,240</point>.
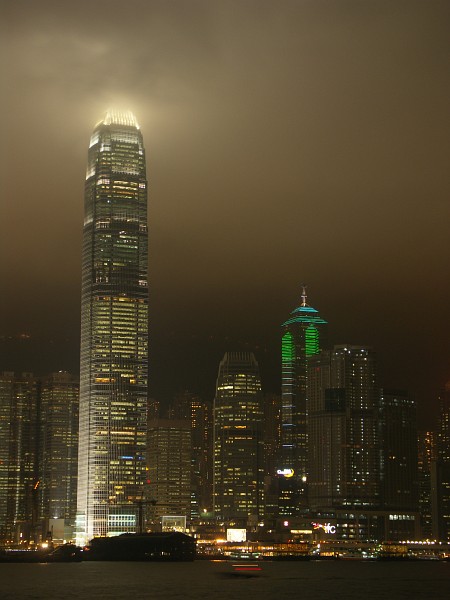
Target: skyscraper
<point>344,441</point>
<point>427,453</point>
<point>169,469</point>
<point>398,444</point>
<point>441,477</point>
<point>303,337</point>
<point>59,450</point>
<point>238,441</point>
<point>187,405</point>
<point>114,330</point>
<point>19,466</point>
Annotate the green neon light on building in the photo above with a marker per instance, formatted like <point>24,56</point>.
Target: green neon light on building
<point>287,347</point>
<point>311,341</point>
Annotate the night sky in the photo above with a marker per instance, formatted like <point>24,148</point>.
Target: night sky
<point>287,142</point>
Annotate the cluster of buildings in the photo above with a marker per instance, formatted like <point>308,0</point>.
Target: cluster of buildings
<point>334,454</point>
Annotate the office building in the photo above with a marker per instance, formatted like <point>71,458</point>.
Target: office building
<point>441,475</point>
<point>19,467</point>
<point>327,435</point>
<point>303,336</point>
<point>187,405</point>
<point>398,444</point>
<point>59,453</point>
<point>427,454</point>
<point>114,331</point>
<point>168,490</point>
<point>344,450</point>
<point>238,440</point>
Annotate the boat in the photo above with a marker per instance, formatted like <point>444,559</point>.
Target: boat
<point>243,569</point>
<point>65,553</point>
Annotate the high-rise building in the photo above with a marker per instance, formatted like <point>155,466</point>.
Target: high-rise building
<point>238,440</point>
<point>59,451</point>
<point>272,447</point>
<point>272,433</point>
<point>303,336</point>
<point>114,331</point>
<point>189,406</point>
<point>398,444</point>
<point>441,475</point>
<point>443,439</point>
<point>427,454</point>
<point>327,435</point>
<point>169,469</point>
<point>344,437</point>
<point>19,466</point>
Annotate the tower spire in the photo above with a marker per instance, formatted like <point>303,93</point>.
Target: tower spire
<point>304,295</point>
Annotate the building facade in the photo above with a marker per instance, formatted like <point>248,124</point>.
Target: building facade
<point>19,460</point>
<point>344,448</point>
<point>327,435</point>
<point>303,336</point>
<point>398,443</point>
<point>441,474</point>
<point>168,490</point>
<point>189,406</point>
<point>426,461</point>
<point>238,440</point>
<point>114,331</point>
<point>59,452</point>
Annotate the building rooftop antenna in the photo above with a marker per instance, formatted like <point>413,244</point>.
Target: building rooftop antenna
<point>304,294</point>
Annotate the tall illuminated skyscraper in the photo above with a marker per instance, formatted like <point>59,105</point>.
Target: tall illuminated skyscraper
<point>303,336</point>
<point>114,331</point>
<point>187,405</point>
<point>58,446</point>
<point>169,469</point>
<point>19,493</point>
<point>238,440</point>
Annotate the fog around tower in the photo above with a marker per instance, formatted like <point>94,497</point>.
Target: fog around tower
<point>286,142</point>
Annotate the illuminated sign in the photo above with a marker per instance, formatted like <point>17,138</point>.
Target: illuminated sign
<point>327,527</point>
<point>285,472</point>
<point>236,535</point>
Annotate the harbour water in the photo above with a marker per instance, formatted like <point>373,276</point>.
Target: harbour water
<point>314,580</point>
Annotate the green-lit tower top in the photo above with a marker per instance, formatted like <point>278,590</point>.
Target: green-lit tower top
<point>307,317</point>
<point>304,313</point>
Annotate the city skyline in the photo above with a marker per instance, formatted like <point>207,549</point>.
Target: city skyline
<point>286,145</point>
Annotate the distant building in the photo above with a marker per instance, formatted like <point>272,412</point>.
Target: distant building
<point>238,440</point>
<point>168,489</point>
<point>444,425</point>
<point>272,449</point>
<point>303,336</point>
<point>344,450</point>
<point>19,467</point>
<point>114,331</point>
<point>59,448</point>
<point>187,405</point>
<point>328,419</point>
<point>398,443</point>
<point>153,409</point>
<point>441,479</point>
<point>272,433</point>
<point>427,455</point>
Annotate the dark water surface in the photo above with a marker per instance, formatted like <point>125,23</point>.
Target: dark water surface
<point>315,580</point>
